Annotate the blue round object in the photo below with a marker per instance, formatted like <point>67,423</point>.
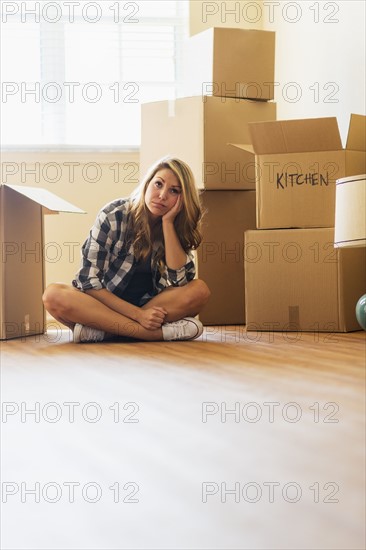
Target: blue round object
<point>361,311</point>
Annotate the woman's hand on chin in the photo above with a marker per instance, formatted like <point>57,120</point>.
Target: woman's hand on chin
<point>174,211</point>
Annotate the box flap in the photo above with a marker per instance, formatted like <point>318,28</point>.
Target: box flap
<point>46,199</point>
<point>295,136</point>
<point>356,139</point>
<point>243,146</point>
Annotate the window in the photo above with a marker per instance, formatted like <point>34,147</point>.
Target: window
<point>76,73</point>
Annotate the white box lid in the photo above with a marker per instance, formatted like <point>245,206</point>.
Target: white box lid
<point>46,199</point>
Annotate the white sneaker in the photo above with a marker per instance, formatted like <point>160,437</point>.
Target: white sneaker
<point>82,333</point>
<point>185,329</point>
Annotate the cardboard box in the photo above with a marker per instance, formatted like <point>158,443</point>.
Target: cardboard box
<point>197,130</point>
<point>295,280</point>
<point>356,146</point>
<point>228,62</point>
<point>22,263</point>
<point>220,257</point>
<point>297,165</point>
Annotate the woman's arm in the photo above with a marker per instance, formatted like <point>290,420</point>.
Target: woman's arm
<point>96,250</point>
<point>175,256</point>
<point>150,318</point>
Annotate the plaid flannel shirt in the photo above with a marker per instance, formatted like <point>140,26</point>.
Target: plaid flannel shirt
<point>108,260</point>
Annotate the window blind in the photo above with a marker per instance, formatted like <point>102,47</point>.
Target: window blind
<point>74,74</point>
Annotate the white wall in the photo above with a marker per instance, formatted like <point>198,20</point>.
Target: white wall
<point>328,56</point>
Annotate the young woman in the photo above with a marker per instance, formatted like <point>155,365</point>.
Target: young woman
<point>137,273</point>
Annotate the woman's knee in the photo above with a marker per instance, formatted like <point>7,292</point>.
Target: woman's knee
<point>55,297</point>
<point>201,292</point>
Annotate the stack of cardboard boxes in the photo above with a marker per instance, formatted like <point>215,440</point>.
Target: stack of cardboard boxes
<point>295,279</point>
<point>232,70</point>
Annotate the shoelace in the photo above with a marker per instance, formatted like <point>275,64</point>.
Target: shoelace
<point>181,329</point>
<point>93,335</point>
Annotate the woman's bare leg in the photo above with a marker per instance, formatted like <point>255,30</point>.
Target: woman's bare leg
<point>70,306</point>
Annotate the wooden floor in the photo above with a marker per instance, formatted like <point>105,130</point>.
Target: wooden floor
<point>234,441</point>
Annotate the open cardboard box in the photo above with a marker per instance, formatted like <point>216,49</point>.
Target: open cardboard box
<point>297,165</point>
<point>295,280</point>
<point>230,62</point>
<point>22,277</point>
<point>197,130</point>
<point>355,151</point>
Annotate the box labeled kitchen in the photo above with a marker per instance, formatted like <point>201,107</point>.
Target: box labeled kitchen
<point>355,150</point>
<point>297,165</point>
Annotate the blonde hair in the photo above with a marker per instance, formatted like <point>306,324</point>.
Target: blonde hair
<point>187,223</point>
